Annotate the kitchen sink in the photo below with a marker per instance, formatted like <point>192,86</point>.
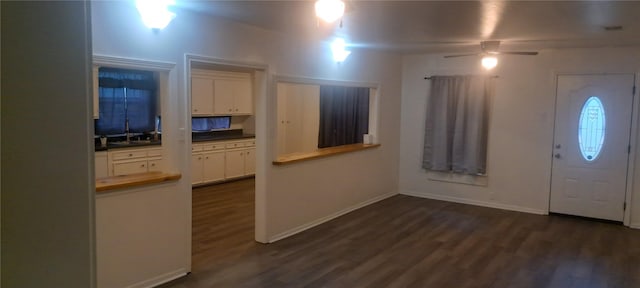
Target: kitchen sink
<point>132,142</point>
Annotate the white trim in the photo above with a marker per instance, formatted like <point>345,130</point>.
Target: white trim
<point>161,279</point>
<point>475,202</point>
<point>330,217</point>
<point>634,226</point>
<point>323,81</point>
<point>631,160</point>
<point>190,58</point>
<point>122,62</point>
<point>260,105</point>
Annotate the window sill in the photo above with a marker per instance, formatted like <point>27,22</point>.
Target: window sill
<point>475,180</point>
<point>107,184</point>
<point>322,153</point>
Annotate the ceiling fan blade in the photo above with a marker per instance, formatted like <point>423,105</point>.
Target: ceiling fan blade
<point>461,55</point>
<point>516,53</point>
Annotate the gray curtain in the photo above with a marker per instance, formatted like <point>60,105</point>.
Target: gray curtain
<point>457,124</point>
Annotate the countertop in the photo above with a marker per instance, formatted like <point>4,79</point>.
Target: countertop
<point>195,139</point>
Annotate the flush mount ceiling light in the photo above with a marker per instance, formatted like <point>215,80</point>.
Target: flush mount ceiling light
<point>338,49</point>
<point>329,10</point>
<point>489,62</point>
<point>155,13</point>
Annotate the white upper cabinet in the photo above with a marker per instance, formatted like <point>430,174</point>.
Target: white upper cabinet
<point>201,95</point>
<point>221,93</point>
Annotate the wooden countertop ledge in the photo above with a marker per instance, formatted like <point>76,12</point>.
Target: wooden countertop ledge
<point>133,180</point>
<point>321,153</point>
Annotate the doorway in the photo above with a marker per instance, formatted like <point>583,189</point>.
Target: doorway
<point>591,145</point>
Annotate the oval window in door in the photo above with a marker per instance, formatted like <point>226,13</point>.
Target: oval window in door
<point>591,128</point>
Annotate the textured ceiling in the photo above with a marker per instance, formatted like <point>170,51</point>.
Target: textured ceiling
<point>446,26</point>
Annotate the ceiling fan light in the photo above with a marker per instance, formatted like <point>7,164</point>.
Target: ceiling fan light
<point>338,49</point>
<point>489,62</point>
<point>155,13</point>
<point>329,10</point>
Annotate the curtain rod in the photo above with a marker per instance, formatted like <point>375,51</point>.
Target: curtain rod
<point>430,77</point>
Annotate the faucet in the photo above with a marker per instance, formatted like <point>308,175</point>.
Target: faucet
<point>126,128</point>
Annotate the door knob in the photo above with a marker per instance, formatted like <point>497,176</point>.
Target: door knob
<point>557,156</point>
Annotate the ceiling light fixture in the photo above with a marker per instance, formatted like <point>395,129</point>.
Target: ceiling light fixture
<point>329,10</point>
<point>489,62</point>
<point>155,13</point>
<point>338,49</point>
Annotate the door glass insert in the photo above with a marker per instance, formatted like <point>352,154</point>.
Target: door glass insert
<point>591,128</point>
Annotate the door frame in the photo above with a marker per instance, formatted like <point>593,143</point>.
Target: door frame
<point>633,135</point>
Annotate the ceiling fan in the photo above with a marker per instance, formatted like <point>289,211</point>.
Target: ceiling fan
<point>490,48</point>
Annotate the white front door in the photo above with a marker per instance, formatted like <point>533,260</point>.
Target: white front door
<point>591,145</point>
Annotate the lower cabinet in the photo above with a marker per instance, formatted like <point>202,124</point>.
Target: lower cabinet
<point>213,166</point>
<point>219,160</point>
<point>134,160</point>
<point>207,167</point>
<point>102,165</point>
<point>240,163</point>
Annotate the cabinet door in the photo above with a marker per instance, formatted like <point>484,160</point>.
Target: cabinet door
<point>196,169</point>
<point>250,162</point>
<point>223,97</point>
<point>202,89</point>
<point>234,163</point>
<point>96,93</point>
<point>132,167</point>
<point>156,165</point>
<point>102,166</point>
<point>243,97</point>
<point>213,166</point>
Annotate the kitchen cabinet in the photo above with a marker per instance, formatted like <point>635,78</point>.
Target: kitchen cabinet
<point>216,161</point>
<point>102,164</point>
<point>96,93</point>
<point>240,162</point>
<point>207,163</point>
<point>213,166</point>
<point>196,169</point>
<point>201,95</point>
<point>134,160</point>
<point>298,117</point>
<point>221,93</point>
<point>232,97</point>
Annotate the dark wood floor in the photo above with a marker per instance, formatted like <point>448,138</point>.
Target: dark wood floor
<point>405,241</point>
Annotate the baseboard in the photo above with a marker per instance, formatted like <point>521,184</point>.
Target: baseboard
<point>635,225</point>
<point>317,222</point>
<point>475,202</point>
<point>160,279</point>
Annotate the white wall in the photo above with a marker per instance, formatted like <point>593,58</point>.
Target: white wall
<point>521,126</point>
<point>294,195</point>
<point>47,150</point>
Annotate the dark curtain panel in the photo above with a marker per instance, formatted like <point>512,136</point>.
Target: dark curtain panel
<point>141,110</point>
<point>126,94</point>
<point>112,116</point>
<point>457,124</point>
<point>344,115</point>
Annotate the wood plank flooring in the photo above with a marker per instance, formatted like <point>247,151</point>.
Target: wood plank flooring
<point>405,241</point>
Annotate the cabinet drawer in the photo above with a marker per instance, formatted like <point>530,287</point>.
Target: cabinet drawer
<point>234,145</point>
<point>155,165</point>
<point>251,143</point>
<point>129,167</point>
<point>213,146</point>
<point>131,154</point>
<point>154,152</point>
<point>196,148</point>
